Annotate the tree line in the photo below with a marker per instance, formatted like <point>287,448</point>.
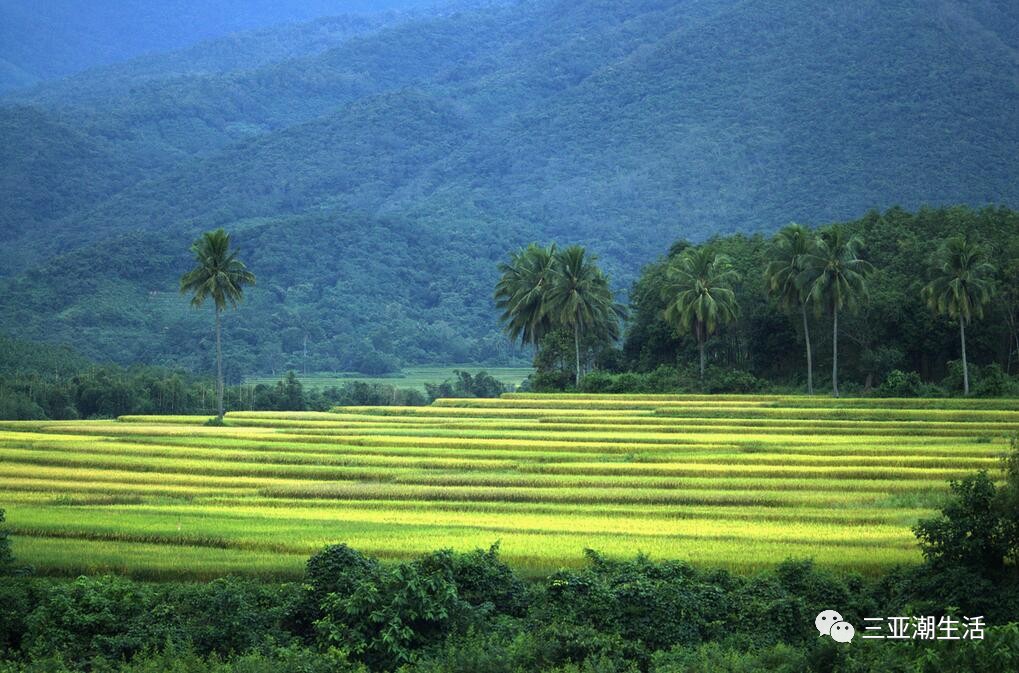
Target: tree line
<point>726,299</point>
<point>110,391</point>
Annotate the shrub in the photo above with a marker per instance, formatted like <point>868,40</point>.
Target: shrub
<point>900,384</point>
<point>501,648</point>
<point>550,381</point>
<point>715,658</point>
<point>390,615</point>
<point>658,605</point>
<point>995,653</point>
<point>19,407</point>
<point>720,380</point>
<point>994,382</point>
<point>91,618</point>
<point>664,379</point>
<point>481,384</point>
<point>6,557</point>
<point>481,579</point>
<point>183,659</point>
<point>17,600</point>
<point>970,531</point>
<point>337,569</point>
<point>227,616</point>
<point>598,382</point>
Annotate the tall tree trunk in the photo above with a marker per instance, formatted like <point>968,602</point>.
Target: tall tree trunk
<point>219,370</point>
<point>965,366</point>
<point>700,346</point>
<point>835,351</point>
<point>810,355</point>
<point>576,344</point>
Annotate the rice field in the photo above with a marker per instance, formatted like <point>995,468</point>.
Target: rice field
<point>741,482</point>
<point>411,377</point>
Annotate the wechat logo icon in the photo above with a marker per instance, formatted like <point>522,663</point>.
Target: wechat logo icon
<point>830,623</point>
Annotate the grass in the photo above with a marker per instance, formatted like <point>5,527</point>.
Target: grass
<point>412,377</point>
<point>742,482</point>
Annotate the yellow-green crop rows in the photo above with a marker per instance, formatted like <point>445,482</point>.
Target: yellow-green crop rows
<point>735,481</point>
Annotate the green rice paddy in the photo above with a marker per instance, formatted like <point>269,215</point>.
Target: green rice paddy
<point>742,482</point>
<point>412,377</point>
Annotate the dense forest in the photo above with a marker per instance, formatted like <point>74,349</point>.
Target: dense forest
<point>42,42</point>
<point>892,340</point>
<point>356,151</point>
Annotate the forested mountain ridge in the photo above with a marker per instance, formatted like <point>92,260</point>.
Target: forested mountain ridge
<point>40,41</point>
<point>452,138</point>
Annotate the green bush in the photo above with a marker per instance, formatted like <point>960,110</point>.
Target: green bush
<point>18,407</point>
<point>724,380</point>
<point>466,384</point>
<point>226,616</point>
<point>901,384</point>
<point>16,601</point>
<point>392,614</point>
<point>992,381</point>
<point>93,618</point>
<point>481,579</point>
<point>988,381</point>
<point>658,605</point>
<point>664,379</point>
<point>6,556</point>
<point>715,658</point>
<point>500,648</point>
<point>180,659</point>
<point>337,569</point>
<point>971,532</point>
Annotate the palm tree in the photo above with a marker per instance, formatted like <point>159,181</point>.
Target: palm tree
<point>580,299</point>
<point>835,277</point>
<point>220,275</point>
<point>522,291</point>
<point>782,275</point>
<point>961,285</point>
<point>698,294</point>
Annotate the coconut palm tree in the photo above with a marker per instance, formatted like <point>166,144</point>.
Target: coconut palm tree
<point>835,278</point>
<point>961,284</point>
<point>220,275</point>
<point>522,291</point>
<point>698,294</point>
<point>580,299</point>
<point>782,275</point>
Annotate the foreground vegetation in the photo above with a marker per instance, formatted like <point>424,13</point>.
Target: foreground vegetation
<point>741,482</point>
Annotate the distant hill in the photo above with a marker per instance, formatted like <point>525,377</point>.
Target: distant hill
<point>375,182</point>
<point>45,40</point>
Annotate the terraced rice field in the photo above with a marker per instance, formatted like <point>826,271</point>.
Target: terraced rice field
<point>412,377</point>
<point>737,481</point>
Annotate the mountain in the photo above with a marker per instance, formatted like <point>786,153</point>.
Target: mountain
<point>375,177</point>
<point>42,41</point>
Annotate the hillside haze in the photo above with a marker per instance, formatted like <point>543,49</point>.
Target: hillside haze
<point>43,41</point>
<point>374,170</point>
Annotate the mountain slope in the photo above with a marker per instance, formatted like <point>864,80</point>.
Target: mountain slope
<point>444,141</point>
<point>61,37</point>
